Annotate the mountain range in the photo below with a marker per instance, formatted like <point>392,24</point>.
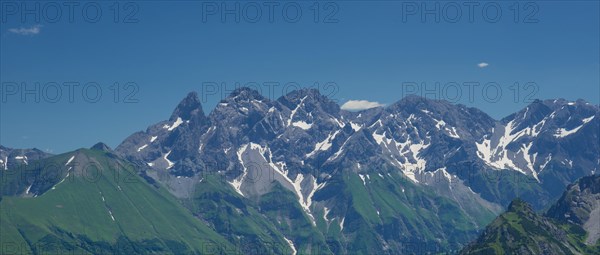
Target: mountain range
<point>300,175</point>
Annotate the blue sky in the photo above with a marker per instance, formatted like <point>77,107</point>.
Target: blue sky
<point>376,51</point>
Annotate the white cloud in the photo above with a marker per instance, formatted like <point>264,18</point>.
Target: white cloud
<point>356,105</point>
<point>34,30</point>
<point>483,64</point>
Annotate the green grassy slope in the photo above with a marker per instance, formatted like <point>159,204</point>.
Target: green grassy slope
<point>77,214</point>
<point>256,225</point>
<point>387,213</point>
<point>522,231</point>
<point>74,211</point>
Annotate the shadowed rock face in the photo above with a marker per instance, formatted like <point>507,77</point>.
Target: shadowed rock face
<point>101,147</point>
<point>189,108</point>
<point>580,205</point>
<point>520,230</point>
<point>569,227</point>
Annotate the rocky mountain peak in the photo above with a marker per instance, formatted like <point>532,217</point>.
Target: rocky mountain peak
<point>414,104</point>
<point>559,103</point>
<point>310,100</point>
<point>591,183</point>
<point>579,204</point>
<point>518,205</point>
<point>101,147</point>
<point>531,114</point>
<point>522,231</point>
<point>552,114</point>
<point>244,94</point>
<point>310,94</point>
<point>189,108</point>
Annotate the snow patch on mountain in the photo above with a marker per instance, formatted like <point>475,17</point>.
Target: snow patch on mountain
<point>302,125</point>
<point>22,158</point>
<point>61,181</point>
<point>70,159</point>
<point>291,244</point>
<point>166,158</point>
<point>111,215</point>
<point>175,124</point>
<point>493,151</point>
<point>289,122</point>
<point>325,213</point>
<point>304,186</point>
<point>543,165</point>
<point>563,132</point>
<point>452,132</point>
<point>323,145</point>
<point>362,177</point>
<point>588,119</point>
<point>237,183</point>
<point>142,147</point>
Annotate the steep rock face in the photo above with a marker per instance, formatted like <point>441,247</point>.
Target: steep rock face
<point>304,144</point>
<point>540,144</point>
<point>569,227</point>
<point>580,205</point>
<point>554,141</point>
<point>520,230</point>
<point>100,146</point>
<point>171,144</point>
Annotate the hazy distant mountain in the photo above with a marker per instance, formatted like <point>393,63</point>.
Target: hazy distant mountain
<point>10,158</point>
